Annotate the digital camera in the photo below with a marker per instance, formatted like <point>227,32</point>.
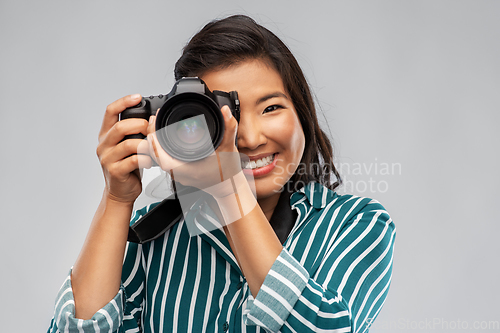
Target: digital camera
<point>189,123</point>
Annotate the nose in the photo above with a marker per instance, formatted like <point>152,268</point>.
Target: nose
<point>250,135</point>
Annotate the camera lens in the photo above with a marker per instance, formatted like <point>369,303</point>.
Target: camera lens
<point>191,126</point>
<point>191,130</point>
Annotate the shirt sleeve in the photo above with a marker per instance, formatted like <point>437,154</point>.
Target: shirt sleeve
<point>346,290</point>
<point>121,314</point>
<point>107,319</point>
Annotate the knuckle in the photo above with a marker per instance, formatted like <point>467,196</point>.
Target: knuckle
<point>129,145</point>
<point>113,170</point>
<point>134,159</point>
<point>109,108</point>
<point>119,127</point>
<point>104,162</point>
<point>145,125</point>
<point>98,150</point>
<point>234,126</point>
<point>101,153</point>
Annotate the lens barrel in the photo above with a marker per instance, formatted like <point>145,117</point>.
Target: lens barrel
<point>189,126</point>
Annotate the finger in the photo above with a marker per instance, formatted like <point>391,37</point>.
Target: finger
<point>153,145</point>
<point>119,152</point>
<point>143,148</point>
<point>228,140</point>
<point>122,128</point>
<point>162,158</point>
<point>115,108</point>
<point>122,169</point>
<point>151,125</point>
<point>153,150</point>
<point>144,161</point>
<point>135,163</point>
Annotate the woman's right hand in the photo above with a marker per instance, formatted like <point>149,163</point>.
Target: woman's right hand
<point>96,275</point>
<point>121,159</point>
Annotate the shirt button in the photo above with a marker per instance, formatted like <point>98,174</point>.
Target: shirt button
<point>239,285</point>
<point>225,327</point>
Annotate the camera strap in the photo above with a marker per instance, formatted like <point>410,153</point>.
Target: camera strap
<point>156,221</point>
<point>167,213</point>
<point>160,218</point>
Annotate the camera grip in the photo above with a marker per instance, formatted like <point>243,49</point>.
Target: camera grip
<point>141,111</point>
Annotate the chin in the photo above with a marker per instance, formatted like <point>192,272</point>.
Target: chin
<point>267,189</point>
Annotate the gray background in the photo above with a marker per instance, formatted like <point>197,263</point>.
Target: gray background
<point>409,84</point>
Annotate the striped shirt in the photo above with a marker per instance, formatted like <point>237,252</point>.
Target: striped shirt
<point>332,275</point>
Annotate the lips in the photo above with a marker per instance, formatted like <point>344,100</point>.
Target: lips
<point>267,165</point>
<point>258,163</point>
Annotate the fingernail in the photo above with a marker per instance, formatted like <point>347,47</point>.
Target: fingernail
<point>135,96</point>
<point>151,120</point>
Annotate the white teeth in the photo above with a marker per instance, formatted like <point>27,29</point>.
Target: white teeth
<point>259,163</point>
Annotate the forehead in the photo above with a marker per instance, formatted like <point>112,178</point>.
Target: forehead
<point>251,79</point>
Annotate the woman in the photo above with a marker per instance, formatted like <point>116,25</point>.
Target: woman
<point>302,259</point>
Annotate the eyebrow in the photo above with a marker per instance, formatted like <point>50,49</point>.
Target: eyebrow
<point>269,96</point>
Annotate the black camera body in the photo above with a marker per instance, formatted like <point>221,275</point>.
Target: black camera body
<point>189,123</point>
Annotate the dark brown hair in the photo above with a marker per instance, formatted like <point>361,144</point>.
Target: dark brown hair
<point>229,41</point>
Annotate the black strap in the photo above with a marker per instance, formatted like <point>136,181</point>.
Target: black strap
<point>156,222</point>
<point>168,212</point>
<point>160,218</point>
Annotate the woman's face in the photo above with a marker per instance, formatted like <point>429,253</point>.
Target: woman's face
<point>269,131</point>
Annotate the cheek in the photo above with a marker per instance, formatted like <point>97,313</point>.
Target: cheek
<point>290,136</point>
<point>299,141</point>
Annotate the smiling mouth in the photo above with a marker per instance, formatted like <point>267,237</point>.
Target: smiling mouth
<point>261,162</point>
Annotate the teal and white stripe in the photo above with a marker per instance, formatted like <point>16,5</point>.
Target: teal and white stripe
<point>333,275</point>
<point>107,319</point>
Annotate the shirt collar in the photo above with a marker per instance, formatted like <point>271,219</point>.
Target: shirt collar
<point>315,194</point>
<point>283,218</point>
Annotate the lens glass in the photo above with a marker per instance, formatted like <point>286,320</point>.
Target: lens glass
<point>191,130</point>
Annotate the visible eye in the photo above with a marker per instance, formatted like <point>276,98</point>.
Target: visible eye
<point>272,108</point>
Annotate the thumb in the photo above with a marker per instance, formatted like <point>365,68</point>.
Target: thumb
<point>231,125</point>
